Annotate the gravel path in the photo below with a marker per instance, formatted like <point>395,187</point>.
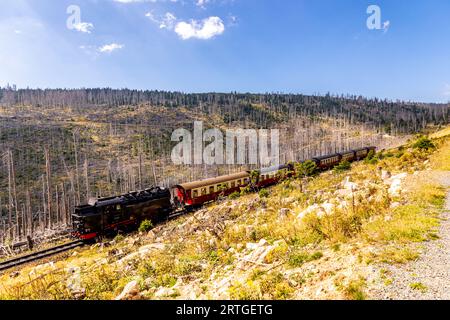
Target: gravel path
<point>431,270</point>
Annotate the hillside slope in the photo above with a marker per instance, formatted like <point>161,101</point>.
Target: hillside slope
<point>61,147</point>
<point>340,235</point>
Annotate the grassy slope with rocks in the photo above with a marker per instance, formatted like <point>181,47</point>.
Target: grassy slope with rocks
<point>324,237</point>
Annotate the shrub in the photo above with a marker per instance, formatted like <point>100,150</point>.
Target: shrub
<point>355,290</point>
<point>264,193</point>
<point>343,166</point>
<point>145,226</point>
<point>298,258</point>
<point>247,291</point>
<point>305,169</point>
<point>234,195</point>
<point>423,144</point>
<point>119,238</point>
<point>372,157</point>
<point>418,286</point>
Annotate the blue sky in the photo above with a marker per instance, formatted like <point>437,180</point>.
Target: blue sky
<point>291,46</point>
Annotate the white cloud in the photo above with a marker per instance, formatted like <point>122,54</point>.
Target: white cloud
<point>136,1</point>
<point>108,48</point>
<point>447,90</point>
<point>85,27</point>
<point>205,29</point>
<point>131,1</point>
<point>201,3</point>
<point>165,22</point>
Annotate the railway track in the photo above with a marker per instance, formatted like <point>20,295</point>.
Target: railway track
<point>5,265</point>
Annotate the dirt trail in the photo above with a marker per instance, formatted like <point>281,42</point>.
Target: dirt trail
<point>430,274</point>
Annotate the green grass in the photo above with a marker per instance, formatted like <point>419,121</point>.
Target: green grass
<point>418,286</point>
<point>298,258</point>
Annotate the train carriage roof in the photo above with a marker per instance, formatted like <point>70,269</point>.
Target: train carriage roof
<point>132,197</point>
<point>326,157</point>
<point>213,181</point>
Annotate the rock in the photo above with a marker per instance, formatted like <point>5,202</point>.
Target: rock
<point>43,268</point>
<point>14,274</point>
<point>131,257</point>
<point>343,193</point>
<point>311,209</point>
<point>284,212</point>
<point>395,188</point>
<point>130,291</point>
<point>262,242</point>
<point>395,205</point>
<point>80,294</point>
<point>151,235</point>
<point>112,252</point>
<point>328,208</point>
<point>165,292</point>
<point>385,174</point>
<point>350,185</point>
<point>254,246</point>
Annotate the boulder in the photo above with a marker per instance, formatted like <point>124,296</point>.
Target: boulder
<point>165,292</point>
<point>328,208</point>
<point>385,175</point>
<point>311,209</point>
<point>284,212</point>
<point>348,185</point>
<point>130,292</point>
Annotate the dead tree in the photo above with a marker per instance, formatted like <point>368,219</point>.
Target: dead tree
<point>49,188</point>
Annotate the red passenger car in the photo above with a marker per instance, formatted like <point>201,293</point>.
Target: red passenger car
<point>197,193</point>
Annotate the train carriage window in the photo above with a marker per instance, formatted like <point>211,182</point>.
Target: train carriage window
<point>246,180</point>
<point>239,182</point>
<point>211,189</point>
<point>204,192</point>
<point>233,184</point>
<point>194,193</point>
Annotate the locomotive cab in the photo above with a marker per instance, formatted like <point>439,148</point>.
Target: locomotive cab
<point>86,222</point>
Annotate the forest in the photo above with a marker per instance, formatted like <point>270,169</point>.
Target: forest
<point>60,147</point>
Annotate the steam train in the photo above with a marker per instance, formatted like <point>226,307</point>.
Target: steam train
<point>106,216</point>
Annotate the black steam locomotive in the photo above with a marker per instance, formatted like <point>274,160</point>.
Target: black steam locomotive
<point>108,215</point>
<point>105,216</point>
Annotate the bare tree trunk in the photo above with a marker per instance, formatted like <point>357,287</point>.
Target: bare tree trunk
<point>44,206</point>
<point>57,206</point>
<point>30,214</point>
<point>10,198</point>
<point>49,187</point>
<point>86,178</point>
<point>140,171</point>
<point>64,205</point>
<point>77,176</point>
<point>14,192</point>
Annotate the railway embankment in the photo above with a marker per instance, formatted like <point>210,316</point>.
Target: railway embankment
<point>376,230</point>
